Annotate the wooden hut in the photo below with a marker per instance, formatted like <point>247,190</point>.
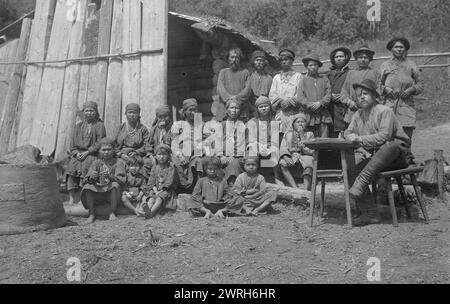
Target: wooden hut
<point>125,50</point>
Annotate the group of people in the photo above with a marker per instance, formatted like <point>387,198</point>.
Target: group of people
<point>142,168</point>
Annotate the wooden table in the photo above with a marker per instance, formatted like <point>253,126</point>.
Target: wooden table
<point>346,151</point>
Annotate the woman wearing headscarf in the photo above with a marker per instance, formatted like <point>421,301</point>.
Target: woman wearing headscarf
<point>260,144</point>
<point>401,79</point>
<point>132,137</point>
<point>337,75</point>
<point>84,148</point>
<point>189,166</point>
<point>160,131</point>
<point>232,156</point>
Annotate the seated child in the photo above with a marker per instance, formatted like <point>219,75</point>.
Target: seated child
<point>104,180</point>
<point>133,194</point>
<point>160,189</point>
<point>251,186</point>
<point>294,154</point>
<point>211,195</point>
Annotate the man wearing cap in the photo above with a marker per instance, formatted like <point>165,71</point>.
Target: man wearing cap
<point>363,57</point>
<point>401,79</point>
<point>340,58</point>
<point>259,82</point>
<point>314,94</point>
<point>232,82</point>
<point>284,90</point>
<point>383,146</point>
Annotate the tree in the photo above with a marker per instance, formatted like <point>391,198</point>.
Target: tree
<point>7,14</point>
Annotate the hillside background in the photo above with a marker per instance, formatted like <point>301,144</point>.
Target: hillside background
<point>321,25</point>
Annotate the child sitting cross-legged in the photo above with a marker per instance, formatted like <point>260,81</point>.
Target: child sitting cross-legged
<point>294,153</point>
<point>133,194</point>
<point>251,186</point>
<point>104,179</point>
<point>160,189</point>
<point>212,195</point>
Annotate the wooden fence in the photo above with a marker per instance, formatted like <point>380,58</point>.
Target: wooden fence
<point>72,52</point>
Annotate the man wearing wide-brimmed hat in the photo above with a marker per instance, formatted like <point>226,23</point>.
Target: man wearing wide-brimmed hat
<point>363,57</point>
<point>401,79</point>
<point>314,94</point>
<point>340,57</point>
<point>383,146</point>
<point>284,89</point>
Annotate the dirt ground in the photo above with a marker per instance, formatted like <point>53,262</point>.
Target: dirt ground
<point>274,248</point>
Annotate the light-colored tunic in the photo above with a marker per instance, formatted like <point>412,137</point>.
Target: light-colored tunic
<point>399,76</point>
<point>285,86</point>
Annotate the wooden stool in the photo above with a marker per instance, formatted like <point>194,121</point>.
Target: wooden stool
<point>322,175</point>
<point>397,175</point>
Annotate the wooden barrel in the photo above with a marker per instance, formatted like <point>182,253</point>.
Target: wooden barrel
<point>29,199</point>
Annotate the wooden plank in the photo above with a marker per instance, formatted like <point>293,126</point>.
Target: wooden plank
<point>15,130</point>
<point>7,121</point>
<point>99,74</point>
<point>154,67</point>
<point>10,54</point>
<point>38,45</point>
<point>113,103</point>
<point>89,48</point>
<point>45,124</point>
<point>132,42</point>
<point>69,102</point>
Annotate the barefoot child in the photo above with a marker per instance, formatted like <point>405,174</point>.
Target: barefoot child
<point>133,194</point>
<point>160,189</point>
<point>104,180</point>
<point>294,153</point>
<point>211,194</point>
<point>252,187</point>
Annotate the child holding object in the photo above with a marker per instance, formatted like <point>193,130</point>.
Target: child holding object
<point>133,194</point>
<point>104,180</point>
<point>294,153</point>
<point>160,189</point>
<point>251,186</point>
<point>211,195</point>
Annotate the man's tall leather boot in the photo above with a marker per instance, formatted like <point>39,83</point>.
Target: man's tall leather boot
<point>387,154</point>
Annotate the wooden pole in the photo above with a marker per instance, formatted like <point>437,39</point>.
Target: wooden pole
<point>439,156</point>
<point>12,96</point>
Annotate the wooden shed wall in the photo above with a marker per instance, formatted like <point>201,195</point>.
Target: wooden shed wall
<point>187,76</point>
